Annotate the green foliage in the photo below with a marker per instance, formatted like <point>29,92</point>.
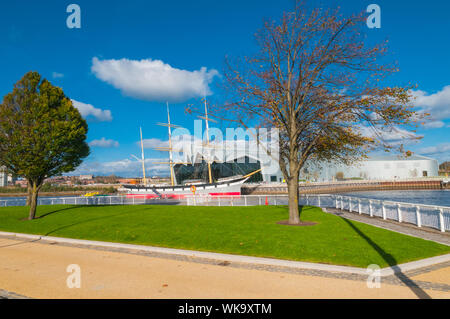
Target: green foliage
<point>249,231</point>
<point>445,166</point>
<point>41,133</point>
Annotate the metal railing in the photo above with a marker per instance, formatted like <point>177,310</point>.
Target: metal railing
<point>433,216</point>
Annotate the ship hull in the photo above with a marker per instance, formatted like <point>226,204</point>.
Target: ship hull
<point>227,188</point>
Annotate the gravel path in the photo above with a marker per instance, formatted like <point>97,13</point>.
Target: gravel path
<point>38,269</point>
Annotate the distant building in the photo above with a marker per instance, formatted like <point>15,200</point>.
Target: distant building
<point>378,167</point>
<point>21,182</point>
<point>85,177</point>
<point>3,177</point>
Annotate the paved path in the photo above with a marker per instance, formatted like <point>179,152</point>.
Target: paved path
<point>37,269</point>
<point>404,228</point>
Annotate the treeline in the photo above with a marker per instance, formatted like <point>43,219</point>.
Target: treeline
<point>445,166</point>
<point>48,188</point>
<point>111,179</point>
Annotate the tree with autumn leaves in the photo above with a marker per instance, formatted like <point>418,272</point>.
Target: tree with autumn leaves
<point>316,78</point>
<point>41,133</point>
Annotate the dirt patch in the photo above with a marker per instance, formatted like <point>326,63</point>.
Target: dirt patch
<point>286,222</point>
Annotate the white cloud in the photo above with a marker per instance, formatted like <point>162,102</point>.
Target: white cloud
<point>89,110</point>
<point>153,80</point>
<point>392,136</point>
<point>437,104</point>
<point>433,124</point>
<point>125,167</point>
<point>438,149</point>
<point>104,143</point>
<point>153,142</point>
<point>57,75</point>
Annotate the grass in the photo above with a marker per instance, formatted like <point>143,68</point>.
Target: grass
<point>236,230</point>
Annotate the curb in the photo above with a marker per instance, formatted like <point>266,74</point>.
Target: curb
<point>240,258</point>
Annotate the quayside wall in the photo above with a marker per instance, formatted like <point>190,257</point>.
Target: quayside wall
<point>347,186</point>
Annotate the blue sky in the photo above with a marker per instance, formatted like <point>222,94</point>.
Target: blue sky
<point>189,40</point>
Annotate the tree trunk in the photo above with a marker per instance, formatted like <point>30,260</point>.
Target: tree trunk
<point>292,183</point>
<point>29,192</point>
<point>33,200</point>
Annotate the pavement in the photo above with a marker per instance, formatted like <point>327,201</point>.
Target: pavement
<point>37,268</point>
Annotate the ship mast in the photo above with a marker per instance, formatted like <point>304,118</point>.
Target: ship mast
<point>171,163</point>
<point>208,145</point>
<point>143,160</point>
<point>170,146</point>
<point>207,141</point>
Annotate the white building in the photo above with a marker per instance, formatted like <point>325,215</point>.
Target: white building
<point>379,167</point>
<point>3,177</point>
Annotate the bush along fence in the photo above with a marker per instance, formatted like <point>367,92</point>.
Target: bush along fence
<point>421,215</point>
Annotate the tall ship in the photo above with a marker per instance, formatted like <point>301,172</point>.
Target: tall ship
<point>226,186</point>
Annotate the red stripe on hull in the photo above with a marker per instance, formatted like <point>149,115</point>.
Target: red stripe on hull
<point>180,196</point>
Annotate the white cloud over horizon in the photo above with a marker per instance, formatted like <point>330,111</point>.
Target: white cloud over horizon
<point>88,110</point>
<point>153,142</point>
<point>125,168</point>
<point>153,80</point>
<point>103,142</point>
<point>437,149</point>
<point>57,75</point>
<point>393,136</point>
<point>437,104</point>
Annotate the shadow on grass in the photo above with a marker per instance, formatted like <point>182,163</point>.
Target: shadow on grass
<point>392,262</point>
<point>59,210</point>
<point>82,222</point>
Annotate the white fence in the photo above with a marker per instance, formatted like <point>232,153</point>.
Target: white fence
<point>433,216</point>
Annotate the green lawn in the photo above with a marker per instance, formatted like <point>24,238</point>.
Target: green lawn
<point>236,230</point>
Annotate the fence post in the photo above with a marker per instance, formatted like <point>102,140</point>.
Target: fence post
<point>219,200</point>
<point>318,196</point>
<point>370,208</point>
<point>75,200</point>
<point>384,210</point>
<point>259,200</point>
<point>418,219</point>
<point>441,219</point>
<point>133,200</point>
<point>245,200</point>
<point>336,201</point>
<point>275,201</point>
<point>307,200</point>
<point>359,206</point>
<point>399,212</point>
<point>342,202</point>
<point>350,206</point>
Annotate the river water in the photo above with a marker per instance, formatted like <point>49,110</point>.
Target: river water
<point>428,197</point>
